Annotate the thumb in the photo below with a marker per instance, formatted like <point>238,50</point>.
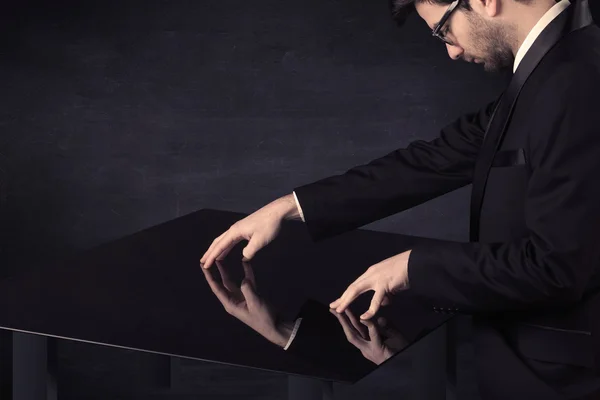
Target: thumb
<point>373,332</point>
<point>375,304</point>
<point>249,293</point>
<point>251,249</point>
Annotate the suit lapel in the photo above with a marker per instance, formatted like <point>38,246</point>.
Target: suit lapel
<point>574,17</point>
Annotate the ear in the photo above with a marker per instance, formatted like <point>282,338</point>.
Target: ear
<point>489,8</point>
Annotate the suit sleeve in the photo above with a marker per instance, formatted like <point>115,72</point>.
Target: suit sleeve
<point>396,182</point>
<point>555,262</point>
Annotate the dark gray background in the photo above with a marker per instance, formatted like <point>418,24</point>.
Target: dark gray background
<point>119,115</point>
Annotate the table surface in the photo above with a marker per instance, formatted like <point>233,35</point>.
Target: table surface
<point>147,292</point>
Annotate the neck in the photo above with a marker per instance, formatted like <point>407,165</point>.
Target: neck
<point>526,16</point>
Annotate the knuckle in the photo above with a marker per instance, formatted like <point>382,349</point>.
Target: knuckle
<point>353,339</point>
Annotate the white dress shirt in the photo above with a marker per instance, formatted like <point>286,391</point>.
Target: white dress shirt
<point>525,46</point>
<point>538,28</point>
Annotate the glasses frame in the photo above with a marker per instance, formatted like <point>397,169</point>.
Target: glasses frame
<point>436,30</point>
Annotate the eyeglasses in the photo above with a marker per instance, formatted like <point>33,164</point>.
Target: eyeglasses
<point>437,29</point>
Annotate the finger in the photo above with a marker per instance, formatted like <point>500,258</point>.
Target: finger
<point>249,274</point>
<point>211,247</point>
<point>334,304</point>
<point>217,289</point>
<point>227,282</point>
<point>386,301</point>
<point>351,334</point>
<point>374,334</point>
<point>354,290</point>
<point>250,295</point>
<point>357,325</point>
<point>375,304</point>
<point>253,246</point>
<point>227,242</point>
<point>387,330</point>
<point>383,326</point>
<point>224,253</point>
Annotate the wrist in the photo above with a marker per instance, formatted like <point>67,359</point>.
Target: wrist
<point>283,332</point>
<point>287,208</point>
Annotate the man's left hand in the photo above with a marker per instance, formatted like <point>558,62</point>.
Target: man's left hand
<point>385,278</point>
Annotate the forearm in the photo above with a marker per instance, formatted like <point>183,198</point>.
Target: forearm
<point>493,277</point>
<point>396,182</point>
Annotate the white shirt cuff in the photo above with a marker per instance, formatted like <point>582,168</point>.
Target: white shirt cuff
<point>293,335</point>
<point>299,208</point>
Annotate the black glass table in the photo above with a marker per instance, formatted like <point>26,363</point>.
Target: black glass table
<point>147,292</point>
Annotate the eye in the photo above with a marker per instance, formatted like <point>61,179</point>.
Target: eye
<point>446,38</point>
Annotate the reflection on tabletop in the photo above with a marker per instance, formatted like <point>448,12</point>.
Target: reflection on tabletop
<point>318,333</point>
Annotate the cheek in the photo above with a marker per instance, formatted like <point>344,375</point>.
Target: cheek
<point>462,38</point>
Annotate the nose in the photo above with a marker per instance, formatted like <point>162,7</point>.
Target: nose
<point>454,51</point>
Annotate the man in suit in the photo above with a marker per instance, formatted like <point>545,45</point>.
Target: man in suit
<point>529,276</point>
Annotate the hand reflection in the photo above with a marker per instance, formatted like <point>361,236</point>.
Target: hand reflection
<point>244,304</point>
<point>376,341</point>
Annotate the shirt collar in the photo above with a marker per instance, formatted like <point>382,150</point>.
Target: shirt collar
<point>538,28</point>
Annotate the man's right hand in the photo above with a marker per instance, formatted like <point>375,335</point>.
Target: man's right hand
<point>259,228</point>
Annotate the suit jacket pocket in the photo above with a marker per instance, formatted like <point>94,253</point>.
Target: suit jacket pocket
<point>554,345</point>
<point>509,158</point>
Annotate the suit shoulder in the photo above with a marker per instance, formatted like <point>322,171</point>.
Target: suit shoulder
<point>569,79</point>
<point>574,62</point>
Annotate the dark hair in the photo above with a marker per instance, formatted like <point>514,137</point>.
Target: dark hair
<point>401,9</point>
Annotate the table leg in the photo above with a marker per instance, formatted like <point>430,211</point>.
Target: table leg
<point>304,388</point>
<point>33,367</point>
<point>52,375</point>
<point>174,372</point>
<point>5,364</point>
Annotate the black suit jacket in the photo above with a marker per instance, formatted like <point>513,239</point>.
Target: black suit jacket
<point>530,281</point>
